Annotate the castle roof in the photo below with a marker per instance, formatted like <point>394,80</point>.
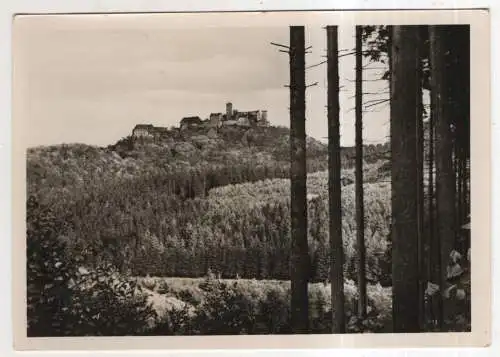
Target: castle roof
<point>191,120</point>
<point>144,126</point>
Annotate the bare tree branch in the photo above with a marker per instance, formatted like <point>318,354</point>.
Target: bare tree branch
<point>370,93</point>
<point>316,65</point>
<point>280,45</point>
<point>377,103</point>
<point>365,80</point>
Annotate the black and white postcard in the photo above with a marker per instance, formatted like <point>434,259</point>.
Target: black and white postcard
<point>253,179</point>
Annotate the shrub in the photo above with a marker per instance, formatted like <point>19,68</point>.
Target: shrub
<point>191,295</point>
<point>49,272</point>
<point>260,307</point>
<point>163,287</point>
<point>109,304</point>
<point>274,314</point>
<point>175,322</point>
<point>149,283</point>
<point>65,299</point>
<point>226,310</point>
<point>457,295</point>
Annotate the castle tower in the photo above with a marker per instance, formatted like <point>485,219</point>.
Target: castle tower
<point>229,111</point>
<point>263,117</point>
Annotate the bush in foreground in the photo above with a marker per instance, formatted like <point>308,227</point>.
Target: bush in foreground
<point>234,307</point>
<point>64,299</point>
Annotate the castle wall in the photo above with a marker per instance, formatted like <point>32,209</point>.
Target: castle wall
<point>141,133</point>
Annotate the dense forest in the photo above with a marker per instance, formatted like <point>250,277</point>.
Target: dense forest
<point>186,222</point>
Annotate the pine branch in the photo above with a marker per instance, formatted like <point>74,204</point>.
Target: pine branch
<point>316,65</point>
<point>280,45</point>
<point>364,80</point>
<point>370,93</point>
<point>377,103</point>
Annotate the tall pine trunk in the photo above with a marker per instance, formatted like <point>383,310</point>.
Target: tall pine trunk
<point>334,183</point>
<point>360,218</point>
<point>464,61</point>
<point>404,117</point>
<point>300,256</point>
<point>445,175</point>
<point>459,86</point>
<point>420,185</point>
<point>434,260</point>
<point>457,168</point>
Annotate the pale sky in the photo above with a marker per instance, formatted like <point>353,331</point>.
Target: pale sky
<point>91,79</point>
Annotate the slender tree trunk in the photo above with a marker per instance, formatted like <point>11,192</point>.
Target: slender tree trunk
<point>464,61</point>
<point>445,176</point>
<point>434,266</point>
<point>456,165</point>
<point>334,183</point>
<point>459,179</point>
<point>420,187</point>
<point>459,87</point>
<point>465,177</point>
<point>360,218</point>
<point>300,255</point>
<point>405,83</point>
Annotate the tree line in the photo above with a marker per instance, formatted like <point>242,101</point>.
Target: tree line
<point>237,230</point>
<point>426,225</point>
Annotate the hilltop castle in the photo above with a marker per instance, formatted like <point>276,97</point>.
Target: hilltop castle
<point>231,117</point>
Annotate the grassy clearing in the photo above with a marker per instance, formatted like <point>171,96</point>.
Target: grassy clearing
<point>256,298</point>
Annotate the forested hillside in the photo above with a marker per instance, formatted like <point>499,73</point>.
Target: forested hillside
<point>187,163</point>
<point>179,208</point>
<point>184,206</point>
